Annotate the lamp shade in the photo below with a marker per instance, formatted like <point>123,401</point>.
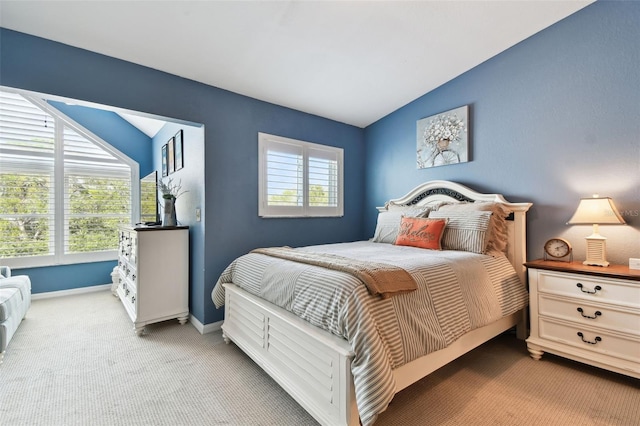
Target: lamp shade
<point>595,210</point>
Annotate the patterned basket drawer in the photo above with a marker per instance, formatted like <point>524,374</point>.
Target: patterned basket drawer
<point>589,288</point>
<point>590,314</point>
<point>600,341</point>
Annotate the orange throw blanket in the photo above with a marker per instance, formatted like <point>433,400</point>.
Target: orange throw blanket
<point>379,278</point>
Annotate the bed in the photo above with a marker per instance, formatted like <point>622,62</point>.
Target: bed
<point>342,358</point>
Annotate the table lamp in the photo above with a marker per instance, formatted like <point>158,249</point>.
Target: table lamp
<point>596,211</point>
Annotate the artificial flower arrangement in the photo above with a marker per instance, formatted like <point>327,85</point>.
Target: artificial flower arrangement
<point>444,128</point>
<point>171,190</point>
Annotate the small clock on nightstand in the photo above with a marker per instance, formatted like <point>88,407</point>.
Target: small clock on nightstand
<point>558,249</point>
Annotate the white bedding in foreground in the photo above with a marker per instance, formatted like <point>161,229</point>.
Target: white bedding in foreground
<point>457,292</point>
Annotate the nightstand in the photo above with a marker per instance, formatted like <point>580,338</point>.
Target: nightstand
<point>589,314</point>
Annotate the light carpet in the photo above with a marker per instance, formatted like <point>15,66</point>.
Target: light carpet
<point>75,361</point>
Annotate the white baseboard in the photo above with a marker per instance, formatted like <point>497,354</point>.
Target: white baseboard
<point>73,291</point>
<point>205,329</point>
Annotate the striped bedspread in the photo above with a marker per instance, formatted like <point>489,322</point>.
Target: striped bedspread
<point>457,292</point>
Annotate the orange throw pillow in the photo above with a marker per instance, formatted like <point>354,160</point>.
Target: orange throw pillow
<point>421,232</point>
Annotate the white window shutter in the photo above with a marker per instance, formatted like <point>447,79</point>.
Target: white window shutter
<point>27,143</point>
<point>63,191</point>
<point>97,195</point>
<point>298,178</point>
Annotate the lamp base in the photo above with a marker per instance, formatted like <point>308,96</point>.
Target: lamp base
<point>596,250</point>
<point>595,262</point>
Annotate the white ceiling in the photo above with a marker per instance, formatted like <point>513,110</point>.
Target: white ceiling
<point>350,61</point>
<point>148,126</point>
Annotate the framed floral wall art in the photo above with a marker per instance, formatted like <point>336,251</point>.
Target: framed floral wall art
<point>443,138</point>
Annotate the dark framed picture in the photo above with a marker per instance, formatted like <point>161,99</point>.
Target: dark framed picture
<point>178,151</point>
<point>171,163</point>
<point>164,161</point>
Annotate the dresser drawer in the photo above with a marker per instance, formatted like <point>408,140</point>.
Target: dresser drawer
<point>591,339</point>
<point>133,300</point>
<point>128,289</point>
<point>589,288</point>
<point>128,294</point>
<point>133,253</point>
<point>590,314</point>
<point>127,271</point>
<point>128,246</point>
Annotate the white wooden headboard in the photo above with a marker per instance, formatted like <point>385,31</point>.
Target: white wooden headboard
<point>437,191</point>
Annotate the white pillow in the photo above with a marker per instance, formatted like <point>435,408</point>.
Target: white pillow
<point>389,222</point>
<point>465,231</point>
<point>497,230</point>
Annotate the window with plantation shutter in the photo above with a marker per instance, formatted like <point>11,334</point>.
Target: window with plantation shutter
<point>27,163</point>
<point>298,178</point>
<point>63,191</point>
<point>97,196</point>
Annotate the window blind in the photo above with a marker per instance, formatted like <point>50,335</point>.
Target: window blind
<point>97,195</point>
<point>298,178</point>
<point>27,145</point>
<point>323,178</point>
<point>284,175</point>
<point>61,193</point>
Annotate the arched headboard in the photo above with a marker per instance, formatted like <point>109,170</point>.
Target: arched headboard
<point>437,191</point>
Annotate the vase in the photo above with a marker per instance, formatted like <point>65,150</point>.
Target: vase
<point>443,144</point>
<point>169,212</point>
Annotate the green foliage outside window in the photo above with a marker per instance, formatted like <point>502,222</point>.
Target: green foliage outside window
<point>93,234</point>
<point>23,199</point>
<point>289,197</point>
<point>96,207</point>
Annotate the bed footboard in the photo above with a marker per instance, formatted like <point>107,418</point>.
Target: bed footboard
<point>312,366</point>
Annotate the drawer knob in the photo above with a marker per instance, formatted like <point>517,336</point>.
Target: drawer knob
<point>598,339</point>
<point>584,290</point>
<point>596,314</point>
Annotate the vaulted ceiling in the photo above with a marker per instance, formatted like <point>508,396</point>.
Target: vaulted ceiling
<point>350,61</point>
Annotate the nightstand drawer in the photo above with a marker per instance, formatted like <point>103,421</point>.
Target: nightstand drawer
<point>590,314</point>
<point>594,340</point>
<point>589,288</point>
<point>587,313</point>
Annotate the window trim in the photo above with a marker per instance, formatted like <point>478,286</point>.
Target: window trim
<point>59,257</point>
<point>266,211</point>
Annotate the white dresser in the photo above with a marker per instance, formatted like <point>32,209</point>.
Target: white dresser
<point>153,274</point>
<point>589,314</point>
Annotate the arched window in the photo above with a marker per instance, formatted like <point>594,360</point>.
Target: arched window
<point>63,190</point>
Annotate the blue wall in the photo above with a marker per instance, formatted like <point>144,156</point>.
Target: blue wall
<point>66,277</point>
<point>115,130</point>
<point>231,125</point>
<point>231,181</point>
<point>553,119</point>
<point>130,141</point>
<point>191,178</point>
